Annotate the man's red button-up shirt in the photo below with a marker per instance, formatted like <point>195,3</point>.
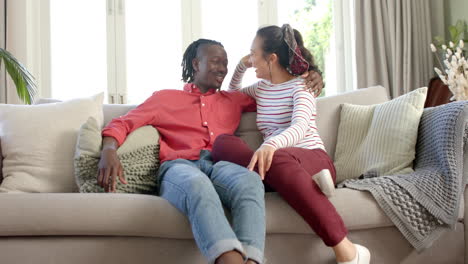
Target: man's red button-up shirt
<point>187,121</point>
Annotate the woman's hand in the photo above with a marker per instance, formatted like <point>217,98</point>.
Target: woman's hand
<point>314,82</point>
<point>264,156</point>
<point>246,61</point>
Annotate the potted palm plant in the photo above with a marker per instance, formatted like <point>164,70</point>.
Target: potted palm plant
<point>25,83</point>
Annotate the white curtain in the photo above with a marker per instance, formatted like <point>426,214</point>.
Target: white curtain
<point>3,84</point>
<point>344,46</point>
<point>392,44</point>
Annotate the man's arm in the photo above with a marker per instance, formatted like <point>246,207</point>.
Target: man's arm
<point>114,134</point>
<point>314,81</point>
<point>109,167</point>
<point>142,115</point>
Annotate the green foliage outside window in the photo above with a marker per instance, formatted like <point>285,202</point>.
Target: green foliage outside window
<point>316,32</point>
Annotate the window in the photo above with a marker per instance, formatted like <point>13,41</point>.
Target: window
<point>78,48</point>
<point>153,47</point>
<point>314,19</point>
<point>233,29</point>
<point>131,48</point>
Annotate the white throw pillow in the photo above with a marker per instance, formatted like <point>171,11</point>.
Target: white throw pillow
<point>38,143</point>
<point>380,139</point>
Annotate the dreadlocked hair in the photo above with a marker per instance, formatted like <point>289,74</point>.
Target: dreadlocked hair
<point>190,54</point>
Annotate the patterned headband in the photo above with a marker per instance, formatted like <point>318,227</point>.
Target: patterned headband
<point>297,64</point>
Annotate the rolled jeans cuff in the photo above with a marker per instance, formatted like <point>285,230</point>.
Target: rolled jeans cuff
<point>253,253</point>
<point>223,246</point>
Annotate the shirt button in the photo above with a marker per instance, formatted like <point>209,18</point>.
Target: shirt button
<point>205,123</point>
<point>211,133</point>
<point>202,104</point>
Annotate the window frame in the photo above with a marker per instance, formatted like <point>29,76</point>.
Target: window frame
<point>37,21</point>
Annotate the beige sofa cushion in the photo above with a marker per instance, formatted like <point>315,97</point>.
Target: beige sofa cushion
<point>25,214</point>
<point>38,142</point>
<point>152,216</point>
<point>379,139</point>
<point>328,116</point>
<point>114,111</point>
<point>248,130</point>
<point>328,111</point>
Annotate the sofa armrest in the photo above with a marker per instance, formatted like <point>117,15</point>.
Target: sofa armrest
<point>465,223</point>
<point>465,215</point>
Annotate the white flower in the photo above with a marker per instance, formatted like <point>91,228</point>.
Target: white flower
<point>461,44</point>
<point>455,72</point>
<point>447,64</point>
<point>443,79</point>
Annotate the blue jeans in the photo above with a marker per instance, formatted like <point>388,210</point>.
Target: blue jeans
<point>199,189</point>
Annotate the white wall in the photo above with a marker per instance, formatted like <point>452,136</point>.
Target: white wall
<point>437,18</point>
<point>455,10</point>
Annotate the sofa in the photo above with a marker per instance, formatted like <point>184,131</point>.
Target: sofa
<point>133,228</point>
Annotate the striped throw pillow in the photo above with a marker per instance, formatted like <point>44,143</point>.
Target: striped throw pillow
<point>380,139</point>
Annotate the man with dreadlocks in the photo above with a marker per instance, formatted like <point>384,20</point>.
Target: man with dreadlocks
<point>189,122</point>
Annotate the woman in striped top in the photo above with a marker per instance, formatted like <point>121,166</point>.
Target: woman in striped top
<point>292,159</point>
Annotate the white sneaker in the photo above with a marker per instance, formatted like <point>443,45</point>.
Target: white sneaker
<point>362,256</point>
<point>325,182</point>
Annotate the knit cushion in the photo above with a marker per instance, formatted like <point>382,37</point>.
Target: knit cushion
<point>139,155</point>
<point>378,139</point>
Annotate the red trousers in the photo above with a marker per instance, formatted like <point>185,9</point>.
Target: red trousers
<point>290,175</point>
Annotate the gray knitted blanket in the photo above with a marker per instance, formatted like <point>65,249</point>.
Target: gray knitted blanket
<point>425,203</point>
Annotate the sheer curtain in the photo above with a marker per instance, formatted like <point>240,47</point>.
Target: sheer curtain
<point>22,38</point>
<point>392,44</point>
<point>3,90</point>
<point>343,47</point>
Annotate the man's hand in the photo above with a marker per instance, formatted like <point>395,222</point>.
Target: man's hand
<point>314,82</point>
<point>264,156</point>
<point>109,167</point>
<point>246,61</point>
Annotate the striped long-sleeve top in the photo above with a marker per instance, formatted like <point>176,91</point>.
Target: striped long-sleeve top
<point>285,112</point>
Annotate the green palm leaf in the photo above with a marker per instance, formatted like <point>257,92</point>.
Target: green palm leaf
<point>26,87</point>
